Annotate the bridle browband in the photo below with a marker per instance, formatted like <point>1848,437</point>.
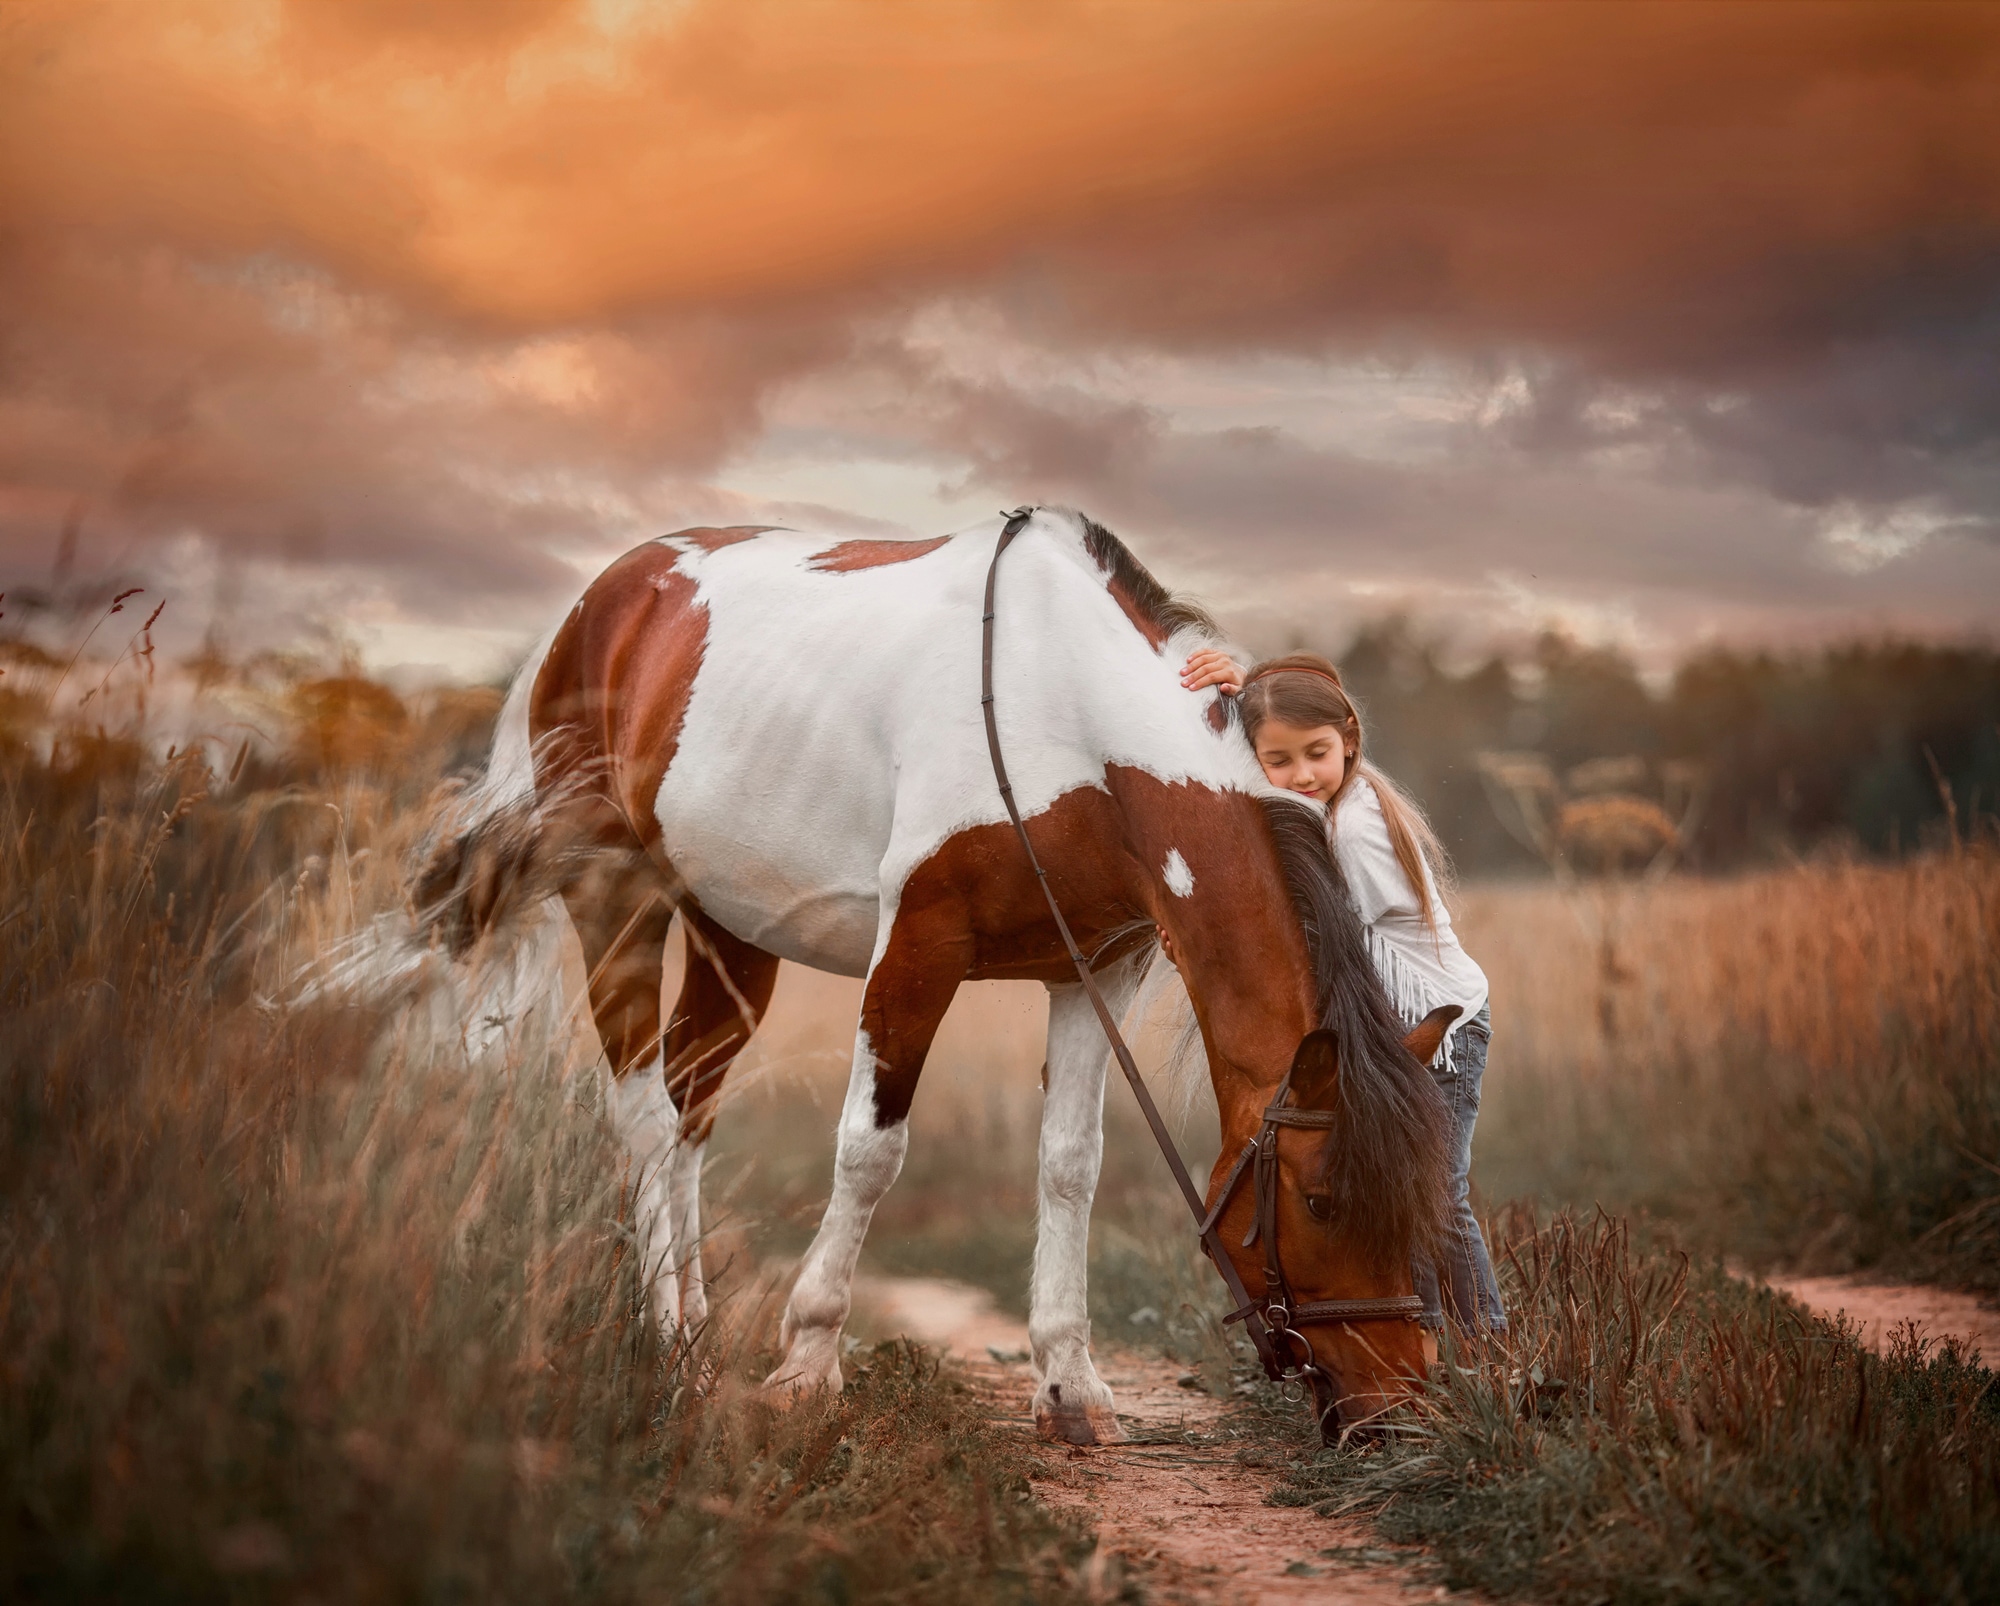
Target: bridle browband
<point>1274,1319</point>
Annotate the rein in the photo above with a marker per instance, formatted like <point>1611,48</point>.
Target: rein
<point>1272,1320</point>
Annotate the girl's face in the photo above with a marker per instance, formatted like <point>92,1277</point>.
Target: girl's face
<point>1310,762</point>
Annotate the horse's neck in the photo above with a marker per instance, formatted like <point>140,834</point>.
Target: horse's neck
<point>1220,893</point>
<point>1089,682</point>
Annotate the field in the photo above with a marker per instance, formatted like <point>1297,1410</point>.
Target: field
<point>297,1303</point>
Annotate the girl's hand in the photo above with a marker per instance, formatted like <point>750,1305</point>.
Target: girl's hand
<point>1166,946</point>
<point>1211,666</point>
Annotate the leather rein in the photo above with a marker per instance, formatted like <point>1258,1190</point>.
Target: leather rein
<point>1273,1319</point>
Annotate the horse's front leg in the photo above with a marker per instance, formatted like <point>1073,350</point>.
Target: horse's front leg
<point>907,994</point>
<point>1071,1401</point>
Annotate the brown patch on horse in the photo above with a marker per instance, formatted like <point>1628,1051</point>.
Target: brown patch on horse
<point>714,537</point>
<point>1155,633</point>
<point>1156,613</point>
<point>726,987</point>
<point>851,555</point>
<point>605,717</point>
<point>613,691</point>
<point>973,911</point>
<point>1218,715</point>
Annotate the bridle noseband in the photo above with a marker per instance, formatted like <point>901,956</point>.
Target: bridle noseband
<point>1282,1315</point>
<point>1274,1321</point>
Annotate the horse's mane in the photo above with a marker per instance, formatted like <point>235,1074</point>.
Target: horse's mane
<point>1385,1163</point>
<point>1154,601</point>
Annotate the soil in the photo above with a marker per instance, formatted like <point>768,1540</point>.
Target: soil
<point>1878,1309</point>
<point>1173,1503</point>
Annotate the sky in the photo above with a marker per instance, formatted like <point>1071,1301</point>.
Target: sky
<point>386,323</point>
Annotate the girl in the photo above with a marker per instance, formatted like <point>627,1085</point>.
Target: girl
<point>1307,736</point>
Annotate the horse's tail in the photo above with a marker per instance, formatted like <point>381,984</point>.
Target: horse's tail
<point>478,950</point>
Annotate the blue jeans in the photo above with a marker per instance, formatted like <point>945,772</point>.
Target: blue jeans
<point>1466,1270</point>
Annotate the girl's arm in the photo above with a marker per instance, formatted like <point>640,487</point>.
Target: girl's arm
<point>1211,666</point>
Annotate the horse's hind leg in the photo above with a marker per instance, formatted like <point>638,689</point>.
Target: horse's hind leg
<point>1071,1400</point>
<point>725,989</point>
<point>662,1082</point>
<point>621,910</point>
<point>907,994</point>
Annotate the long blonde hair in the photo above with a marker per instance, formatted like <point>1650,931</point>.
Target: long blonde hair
<point>1304,690</point>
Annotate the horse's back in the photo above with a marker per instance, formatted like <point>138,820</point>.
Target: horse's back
<point>747,693</point>
<point>794,719</point>
<point>782,802</point>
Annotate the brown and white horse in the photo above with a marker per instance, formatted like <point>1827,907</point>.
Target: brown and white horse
<point>778,736</point>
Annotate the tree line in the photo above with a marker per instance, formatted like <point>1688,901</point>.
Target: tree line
<point>1874,748</point>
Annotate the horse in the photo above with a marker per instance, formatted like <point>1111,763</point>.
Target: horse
<point>777,735</point>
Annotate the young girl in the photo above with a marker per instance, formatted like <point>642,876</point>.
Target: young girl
<point>1307,736</point>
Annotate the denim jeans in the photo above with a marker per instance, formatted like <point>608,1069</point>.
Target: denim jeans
<point>1466,1270</point>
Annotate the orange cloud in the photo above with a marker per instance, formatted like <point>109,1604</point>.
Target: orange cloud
<point>533,163</point>
<point>389,270</point>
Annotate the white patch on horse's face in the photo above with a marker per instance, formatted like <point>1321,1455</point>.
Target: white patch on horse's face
<point>867,681</point>
<point>1179,878</point>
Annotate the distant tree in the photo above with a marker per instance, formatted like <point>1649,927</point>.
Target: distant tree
<point>1855,747</point>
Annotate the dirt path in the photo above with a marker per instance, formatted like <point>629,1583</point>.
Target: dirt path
<point>1186,1512</point>
<point>1879,1308</point>
<point>1176,1503</point>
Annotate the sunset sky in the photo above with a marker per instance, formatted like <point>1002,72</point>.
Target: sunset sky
<point>1661,322</point>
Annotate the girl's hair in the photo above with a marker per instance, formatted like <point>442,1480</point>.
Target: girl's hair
<point>1304,690</point>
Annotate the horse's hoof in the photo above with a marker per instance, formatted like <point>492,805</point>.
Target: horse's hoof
<point>1076,1424</point>
<point>787,1387</point>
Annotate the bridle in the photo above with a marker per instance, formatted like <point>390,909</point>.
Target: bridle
<point>1275,1321</point>
<point>1281,1314</point>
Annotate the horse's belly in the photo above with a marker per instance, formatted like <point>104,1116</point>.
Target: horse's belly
<point>786,873</point>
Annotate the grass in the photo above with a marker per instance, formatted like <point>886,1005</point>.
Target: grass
<point>1713,1443</point>
<point>293,1307</point>
<point>1799,1068</point>
<point>289,1311</point>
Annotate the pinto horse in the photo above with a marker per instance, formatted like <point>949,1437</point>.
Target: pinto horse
<point>779,737</point>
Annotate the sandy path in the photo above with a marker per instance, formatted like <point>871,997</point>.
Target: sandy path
<point>1879,1308</point>
<point>1187,1513</point>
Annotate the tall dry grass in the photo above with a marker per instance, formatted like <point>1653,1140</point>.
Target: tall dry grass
<point>1800,1066</point>
<point>295,1305</point>
<point>1659,1432</point>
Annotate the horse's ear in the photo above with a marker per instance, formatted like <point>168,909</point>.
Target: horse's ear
<point>1316,1071</point>
<point>1428,1034</point>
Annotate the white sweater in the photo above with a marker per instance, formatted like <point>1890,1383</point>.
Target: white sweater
<point>1420,968</point>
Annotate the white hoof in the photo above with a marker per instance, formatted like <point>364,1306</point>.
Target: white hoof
<point>811,1363</point>
<point>1077,1413</point>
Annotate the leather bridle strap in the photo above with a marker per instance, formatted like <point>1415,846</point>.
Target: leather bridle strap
<point>1278,1310</point>
<point>1275,1313</point>
<point>1274,1368</point>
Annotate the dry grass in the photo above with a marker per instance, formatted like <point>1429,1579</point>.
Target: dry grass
<point>1709,1443</point>
<point>1798,1066</point>
<point>284,1311</point>
<point>287,1310</point>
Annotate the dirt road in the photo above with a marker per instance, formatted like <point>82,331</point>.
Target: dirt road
<point>1174,1502</point>
<point>1878,1309</point>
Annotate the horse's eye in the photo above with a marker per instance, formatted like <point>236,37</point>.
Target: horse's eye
<point>1321,1206</point>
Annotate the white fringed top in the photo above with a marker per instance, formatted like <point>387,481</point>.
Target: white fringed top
<point>1421,969</point>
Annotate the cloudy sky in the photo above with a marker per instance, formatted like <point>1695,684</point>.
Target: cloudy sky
<point>399,317</point>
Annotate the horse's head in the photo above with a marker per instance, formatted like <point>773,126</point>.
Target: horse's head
<point>1352,1184</point>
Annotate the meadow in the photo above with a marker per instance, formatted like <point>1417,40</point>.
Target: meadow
<point>295,1301</point>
